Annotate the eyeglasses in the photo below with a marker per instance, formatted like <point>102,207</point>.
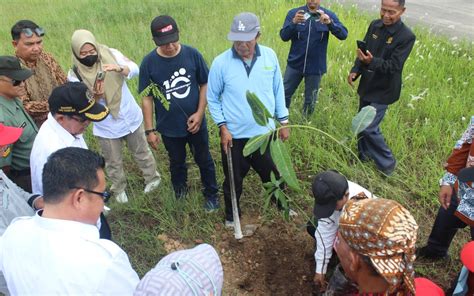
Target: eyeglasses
<point>105,195</point>
<point>13,81</point>
<point>29,32</point>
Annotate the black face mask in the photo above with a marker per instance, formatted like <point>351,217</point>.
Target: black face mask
<point>89,60</point>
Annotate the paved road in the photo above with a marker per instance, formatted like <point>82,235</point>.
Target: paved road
<point>453,18</point>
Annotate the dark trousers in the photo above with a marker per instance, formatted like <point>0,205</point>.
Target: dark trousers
<point>199,146</point>
<point>292,80</point>
<point>262,164</point>
<point>104,230</point>
<point>21,178</point>
<point>371,143</point>
<point>444,228</point>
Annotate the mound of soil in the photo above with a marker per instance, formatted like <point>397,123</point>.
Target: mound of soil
<point>276,260</point>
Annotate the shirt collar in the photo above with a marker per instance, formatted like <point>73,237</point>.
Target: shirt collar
<point>84,230</point>
<point>61,132</point>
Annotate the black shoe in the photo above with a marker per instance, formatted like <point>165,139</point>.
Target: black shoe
<point>426,253</point>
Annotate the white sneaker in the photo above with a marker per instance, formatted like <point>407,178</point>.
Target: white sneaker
<point>292,213</point>
<point>152,185</point>
<point>106,210</point>
<point>121,197</point>
<point>229,224</point>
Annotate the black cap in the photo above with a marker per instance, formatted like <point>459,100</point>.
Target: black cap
<point>328,187</point>
<point>74,98</point>
<point>10,66</point>
<point>164,30</point>
<point>466,175</point>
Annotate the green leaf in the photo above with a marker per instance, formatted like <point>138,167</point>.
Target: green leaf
<point>363,119</point>
<point>281,197</point>
<point>264,146</point>
<point>155,91</point>
<point>282,160</point>
<point>259,111</point>
<point>254,143</point>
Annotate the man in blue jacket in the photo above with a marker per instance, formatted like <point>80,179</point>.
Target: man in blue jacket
<point>308,29</point>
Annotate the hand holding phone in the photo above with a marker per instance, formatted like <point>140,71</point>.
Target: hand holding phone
<point>99,82</point>
<point>362,46</point>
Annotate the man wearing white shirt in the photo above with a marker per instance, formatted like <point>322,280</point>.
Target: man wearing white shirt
<point>331,191</point>
<point>58,251</point>
<point>72,108</point>
<point>124,124</point>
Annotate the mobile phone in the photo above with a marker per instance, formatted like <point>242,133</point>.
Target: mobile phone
<point>98,78</point>
<point>362,46</point>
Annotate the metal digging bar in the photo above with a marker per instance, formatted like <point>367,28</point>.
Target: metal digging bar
<point>233,197</point>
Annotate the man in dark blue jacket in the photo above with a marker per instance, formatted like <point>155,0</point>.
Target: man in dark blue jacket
<point>389,43</point>
<point>308,29</point>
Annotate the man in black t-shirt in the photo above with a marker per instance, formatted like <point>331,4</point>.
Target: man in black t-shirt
<point>180,73</point>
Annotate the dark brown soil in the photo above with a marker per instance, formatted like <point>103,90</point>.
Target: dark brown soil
<point>276,260</point>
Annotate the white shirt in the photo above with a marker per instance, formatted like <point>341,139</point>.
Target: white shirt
<point>130,116</point>
<point>42,256</point>
<point>326,231</point>
<point>51,137</point>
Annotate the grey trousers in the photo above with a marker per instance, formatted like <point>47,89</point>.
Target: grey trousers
<point>138,147</point>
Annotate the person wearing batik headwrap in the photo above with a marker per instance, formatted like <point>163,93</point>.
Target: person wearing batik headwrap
<point>376,248</point>
<point>124,123</point>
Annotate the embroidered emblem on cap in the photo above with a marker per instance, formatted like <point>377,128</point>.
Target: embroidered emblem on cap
<point>166,29</point>
<point>241,26</point>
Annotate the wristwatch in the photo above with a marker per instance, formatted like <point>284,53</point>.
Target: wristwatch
<point>147,132</point>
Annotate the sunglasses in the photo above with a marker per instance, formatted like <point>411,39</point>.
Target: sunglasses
<point>29,32</point>
<point>13,81</point>
<point>105,195</point>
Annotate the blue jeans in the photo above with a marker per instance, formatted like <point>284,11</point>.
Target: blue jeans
<point>199,146</point>
<point>371,142</point>
<point>291,82</point>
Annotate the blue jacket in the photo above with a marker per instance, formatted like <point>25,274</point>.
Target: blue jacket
<point>309,41</point>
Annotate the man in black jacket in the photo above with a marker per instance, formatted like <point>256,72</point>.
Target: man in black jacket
<point>389,43</point>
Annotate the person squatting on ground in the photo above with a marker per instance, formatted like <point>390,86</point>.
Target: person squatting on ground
<point>15,160</point>
<point>14,201</point>
<point>308,28</point>
<point>450,218</point>
<point>72,108</point>
<point>27,39</point>
<point>376,248</point>
<point>124,123</point>
<point>246,66</point>
<point>58,250</point>
<point>389,43</point>
<point>180,73</point>
<point>196,271</point>
<point>331,191</point>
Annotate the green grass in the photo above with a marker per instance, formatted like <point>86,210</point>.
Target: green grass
<point>421,128</point>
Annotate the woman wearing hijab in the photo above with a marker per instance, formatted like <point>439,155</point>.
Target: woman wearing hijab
<point>104,70</point>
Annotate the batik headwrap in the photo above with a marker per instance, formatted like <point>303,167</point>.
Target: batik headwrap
<point>384,231</point>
